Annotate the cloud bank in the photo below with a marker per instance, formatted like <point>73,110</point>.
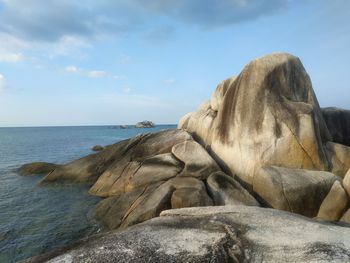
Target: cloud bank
<point>52,20</point>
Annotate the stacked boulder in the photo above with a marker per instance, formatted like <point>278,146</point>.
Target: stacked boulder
<point>266,128</point>
<point>335,206</point>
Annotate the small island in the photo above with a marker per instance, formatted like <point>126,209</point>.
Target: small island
<point>145,124</point>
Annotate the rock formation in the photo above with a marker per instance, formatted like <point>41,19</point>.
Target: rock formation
<point>261,140</point>
<point>267,115</point>
<point>144,124</point>
<point>37,168</point>
<point>214,234</point>
<point>97,148</point>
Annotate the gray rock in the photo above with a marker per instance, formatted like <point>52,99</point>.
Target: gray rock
<point>214,234</point>
<point>144,124</point>
<point>338,123</point>
<point>295,190</point>
<point>227,191</point>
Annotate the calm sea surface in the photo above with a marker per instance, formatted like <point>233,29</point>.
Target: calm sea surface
<point>37,219</point>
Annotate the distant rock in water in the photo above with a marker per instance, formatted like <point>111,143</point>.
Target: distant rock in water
<point>123,126</point>
<point>37,168</point>
<point>145,124</point>
<point>97,148</point>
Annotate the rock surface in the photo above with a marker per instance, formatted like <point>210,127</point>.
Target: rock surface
<point>346,182</point>
<point>214,234</point>
<point>142,176</point>
<point>295,190</point>
<point>37,168</point>
<point>144,124</point>
<point>97,148</point>
<point>338,123</point>
<point>335,203</point>
<point>267,115</point>
<point>227,191</point>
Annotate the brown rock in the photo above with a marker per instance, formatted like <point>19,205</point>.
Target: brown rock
<point>340,158</point>
<point>37,168</point>
<point>97,148</point>
<point>335,203</point>
<point>346,217</point>
<point>269,115</point>
<point>295,190</point>
<point>198,163</point>
<point>346,182</point>
<point>227,191</point>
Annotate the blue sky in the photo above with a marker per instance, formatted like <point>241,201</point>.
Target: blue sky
<point>65,62</point>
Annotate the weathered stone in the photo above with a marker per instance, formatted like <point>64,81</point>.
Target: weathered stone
<point>213,235</point>
<point>340,158</point>
<point>227,191</point>
<point>338,123</point>
<point>97,148</point>
<point>147,161</point>
<point>295,190</point>
<point>335,203</point>
<point>346,182</point>
<point>346,217</point>
<point>190,197</point>
<point>198,162</point>
<point>37,168</point>
<point>269,115</point>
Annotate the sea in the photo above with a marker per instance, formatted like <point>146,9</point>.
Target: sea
<point>36,219</point>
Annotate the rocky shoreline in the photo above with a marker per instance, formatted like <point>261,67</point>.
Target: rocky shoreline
<point>261,142</point>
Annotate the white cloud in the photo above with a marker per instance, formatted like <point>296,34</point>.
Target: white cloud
<point>126,89</point>
<point>72,69</point>
<point>97,74</point>
<point>169,81</point>
<point>11,48</point>
<point>87,73</point>
<point>3,83</point>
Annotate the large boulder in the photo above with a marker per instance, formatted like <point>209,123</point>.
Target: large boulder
<point>295,190</point>
<point>214,234</point>
<point>339,157</point>
<point>225,190</point>
<point>338,123</point>
<point>142,176</point>
<point>335,203</point>
<point>267,115</point>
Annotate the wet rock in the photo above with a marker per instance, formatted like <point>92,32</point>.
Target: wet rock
<point>97,148</point>
<point>37,168</point>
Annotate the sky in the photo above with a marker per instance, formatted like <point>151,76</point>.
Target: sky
<point>70,62</point>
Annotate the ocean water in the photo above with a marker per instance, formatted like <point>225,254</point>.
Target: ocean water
<point>33,219</point>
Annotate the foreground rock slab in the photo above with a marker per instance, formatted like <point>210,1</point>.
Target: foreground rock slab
<point>215,234</point>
